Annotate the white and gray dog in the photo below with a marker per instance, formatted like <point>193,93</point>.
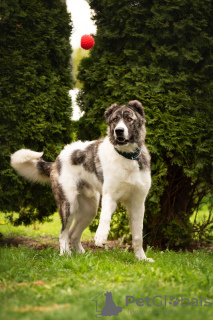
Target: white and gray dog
<point>118,167</point>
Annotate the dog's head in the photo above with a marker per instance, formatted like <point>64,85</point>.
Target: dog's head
<point>126,124</point>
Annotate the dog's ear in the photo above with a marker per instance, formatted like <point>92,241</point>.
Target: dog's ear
<point>110,110</point>
<point>137,106</point>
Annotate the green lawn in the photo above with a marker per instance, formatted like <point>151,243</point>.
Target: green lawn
<point>39,284</point>
<point>51,229</point>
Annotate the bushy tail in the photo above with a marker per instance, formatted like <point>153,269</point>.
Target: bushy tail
<point>29,164</point>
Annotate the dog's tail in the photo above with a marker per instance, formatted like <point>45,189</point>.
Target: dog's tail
<point>29,164</point>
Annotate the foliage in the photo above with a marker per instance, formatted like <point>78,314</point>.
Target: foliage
<point>78,54</point>
<point>159,52</point>
<point>202,226</point>
<point>35,104</point>
<point>119,227</point>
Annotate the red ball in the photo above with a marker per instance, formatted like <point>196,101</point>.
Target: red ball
<point>87,42</point>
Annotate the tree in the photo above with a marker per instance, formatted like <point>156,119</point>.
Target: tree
<point>34,96</point>
<point>78,54</point>
<point>159,52</point>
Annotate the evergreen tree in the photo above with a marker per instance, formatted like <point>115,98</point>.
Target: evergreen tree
<point>159,52</point>
<point>77,56</point>
<point>34,96</point>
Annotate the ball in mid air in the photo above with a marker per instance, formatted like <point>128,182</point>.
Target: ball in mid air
<point>87,42</point>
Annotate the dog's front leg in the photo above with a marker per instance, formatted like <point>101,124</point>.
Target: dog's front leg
<point>108,207</point>
<point>136,226</point>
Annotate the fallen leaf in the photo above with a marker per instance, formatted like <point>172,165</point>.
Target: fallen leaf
<point>38,283</point>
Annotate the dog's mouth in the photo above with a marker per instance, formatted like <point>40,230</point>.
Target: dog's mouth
<point>121,141</point>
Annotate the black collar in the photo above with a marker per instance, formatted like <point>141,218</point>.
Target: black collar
<point>130,155</point>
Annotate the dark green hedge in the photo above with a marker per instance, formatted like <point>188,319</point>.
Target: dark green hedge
<point>35,77</point>
<point>159,52</point>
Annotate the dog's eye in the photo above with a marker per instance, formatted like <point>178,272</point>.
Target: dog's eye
<point>115,119</point>
<point>129,119</point>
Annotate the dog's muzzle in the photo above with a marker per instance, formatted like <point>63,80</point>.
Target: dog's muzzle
<point>120,136</point>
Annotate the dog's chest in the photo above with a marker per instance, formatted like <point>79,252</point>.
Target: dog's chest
<point>125,187</point>
<point>129,176</point>
<point>123,177</point>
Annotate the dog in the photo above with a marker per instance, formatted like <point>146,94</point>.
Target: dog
<point>117,166</point>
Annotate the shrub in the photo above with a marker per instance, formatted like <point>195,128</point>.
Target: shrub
<point>35,104</point>
<point>119,227</point>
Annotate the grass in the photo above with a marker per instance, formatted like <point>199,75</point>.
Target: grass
<point>49,229</point>
<point>39,284</point>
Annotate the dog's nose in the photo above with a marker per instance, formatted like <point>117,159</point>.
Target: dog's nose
<point>119,131</point>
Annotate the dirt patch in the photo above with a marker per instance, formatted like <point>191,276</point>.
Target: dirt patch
<point>45,242</point>
<point>110,245</point>
<point>38,244</point>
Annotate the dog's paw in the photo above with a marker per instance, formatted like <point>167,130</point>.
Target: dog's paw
<point>100,239</point>
<point>142,258</point>
<point>140,255</point>
<point>77,246</point>
<point>80,249</point>
<point>63,253</point>
<point>99,242</point>
<point>149,260</point>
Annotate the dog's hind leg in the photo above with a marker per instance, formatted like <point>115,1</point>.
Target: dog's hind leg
<point>66,207</point>
<point>86,213</point>
<point>66,219</point>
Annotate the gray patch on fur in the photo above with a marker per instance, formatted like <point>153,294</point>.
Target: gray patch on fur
<point>67,210</point>
<point>44,167</point>
<point>89,159</point>
<point>82,184</point>
<point>144,159</point>
<point>77,157</point>
<point>58,165</point>
<point>63,205</point>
